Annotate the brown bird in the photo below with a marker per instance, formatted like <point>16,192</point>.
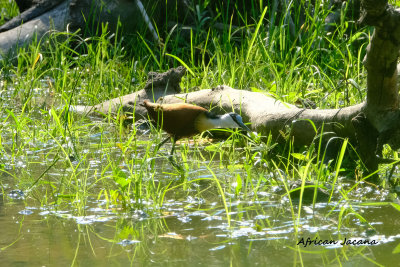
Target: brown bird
<point>185,120</point>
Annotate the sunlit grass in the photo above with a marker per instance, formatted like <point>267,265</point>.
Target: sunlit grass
<point>65,162</point>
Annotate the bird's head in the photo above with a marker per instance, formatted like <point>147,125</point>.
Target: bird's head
<point>237,119</point>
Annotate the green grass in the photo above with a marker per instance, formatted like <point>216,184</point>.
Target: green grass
<point>8,10</point>
<point>108,162</point>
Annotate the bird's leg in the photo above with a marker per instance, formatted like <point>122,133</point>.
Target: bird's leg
<point>171,158</point>
<point>173,138</point>
<point>160,144</point>
<point>157,148</point>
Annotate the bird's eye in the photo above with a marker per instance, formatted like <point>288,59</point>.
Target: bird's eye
<point>236,119</point>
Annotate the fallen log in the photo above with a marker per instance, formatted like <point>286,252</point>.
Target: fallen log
<point>265,114</point>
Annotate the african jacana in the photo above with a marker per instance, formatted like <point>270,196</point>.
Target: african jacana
<point>185,120</point>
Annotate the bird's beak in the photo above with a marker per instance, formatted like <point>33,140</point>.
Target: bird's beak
<point>244,127</point>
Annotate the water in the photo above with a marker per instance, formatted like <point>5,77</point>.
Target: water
<point>63,217</point>
<point>33,236</point>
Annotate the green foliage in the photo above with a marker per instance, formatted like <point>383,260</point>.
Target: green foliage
<point>105,161</point>
<point>8,10</point>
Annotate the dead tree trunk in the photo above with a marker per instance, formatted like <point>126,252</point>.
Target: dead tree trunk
<point>379,123</point>
<point>39,17</point>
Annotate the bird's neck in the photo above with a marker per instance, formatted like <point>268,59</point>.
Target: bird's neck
<point>205,122</point>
